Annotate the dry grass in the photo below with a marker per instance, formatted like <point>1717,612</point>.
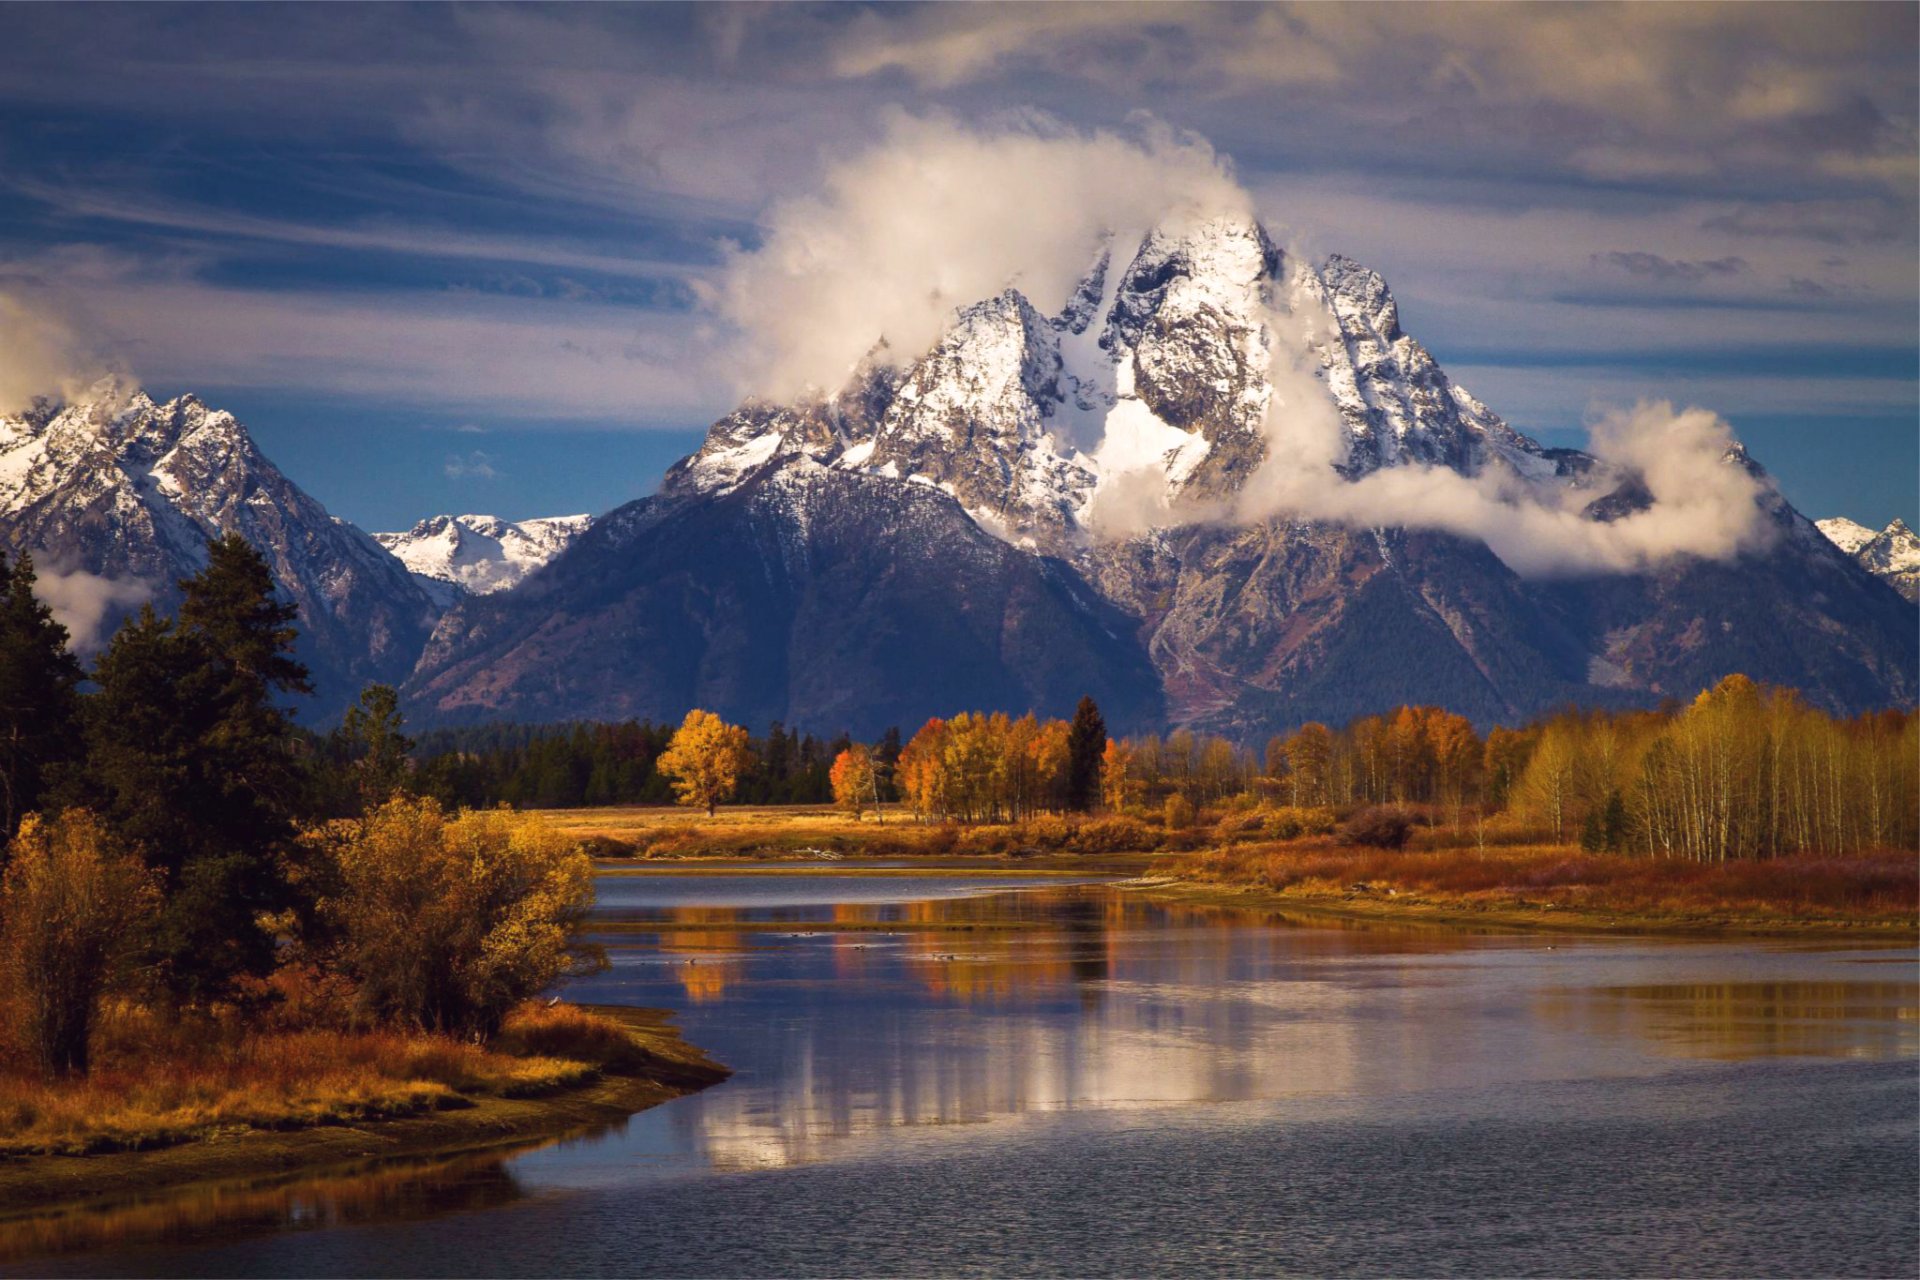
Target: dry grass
<point>805,831</point>
<point>1882,885</point>
<point>157,1084</point>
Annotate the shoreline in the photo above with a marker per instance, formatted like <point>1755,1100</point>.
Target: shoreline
<point>1409,908</point>
<point>32,1186</point>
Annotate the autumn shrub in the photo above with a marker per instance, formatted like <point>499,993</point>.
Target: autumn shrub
<point>74,904</point>
<point>1290,822</point>
<point>1380,827</point>
<point>1178,814</point>
<point>1237,826</point>
<point>1114,835</point>
<point>446,922</point>
<point>987,842</point>
<point>1048,831</point>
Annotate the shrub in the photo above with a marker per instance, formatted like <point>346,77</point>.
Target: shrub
<point>1290,822</point>
<point>1236,825</point>
<point>986,842</point>
<point>1381,827</point>
<point>72,907</point>
<point>1178,815</point>
<point>448,922</point>
<point>1048,830</point>
<point>1113,835</point>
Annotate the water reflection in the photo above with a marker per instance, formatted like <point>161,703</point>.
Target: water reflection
<point>867,1027</point>
<point>373,1194</point>
<point>1738,1020</point>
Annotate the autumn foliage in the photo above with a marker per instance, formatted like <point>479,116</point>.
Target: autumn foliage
<point>705,759</point>
<point>446,921</point>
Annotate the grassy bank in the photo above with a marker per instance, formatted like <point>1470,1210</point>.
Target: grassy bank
<point>1559,887</point>
<point>191,1103</point>
<point>814,833</point>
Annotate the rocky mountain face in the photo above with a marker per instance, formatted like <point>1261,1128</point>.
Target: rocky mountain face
<point>796,592</point>
<point>1036,509</point>
<point>455,556</point>
<point>130,492</point>
<point>1891,554</point>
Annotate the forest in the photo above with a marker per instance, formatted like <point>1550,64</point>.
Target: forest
<point>1740,771</point>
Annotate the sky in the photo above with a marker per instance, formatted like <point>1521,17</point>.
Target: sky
<point>466,259</point>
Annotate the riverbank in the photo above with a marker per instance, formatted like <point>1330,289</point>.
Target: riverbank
<point>641,1061</point>
<point>1555,889</point>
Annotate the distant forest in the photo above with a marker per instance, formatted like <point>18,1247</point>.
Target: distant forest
<point>566,766</point>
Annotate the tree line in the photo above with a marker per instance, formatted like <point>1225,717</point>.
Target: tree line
<point>569,766</point>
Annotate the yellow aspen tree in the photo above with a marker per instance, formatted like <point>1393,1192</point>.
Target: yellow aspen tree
<point>704,759</point>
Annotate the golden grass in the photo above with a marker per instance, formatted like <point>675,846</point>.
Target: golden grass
<point>157,1084</point>
<point>1879,886</point>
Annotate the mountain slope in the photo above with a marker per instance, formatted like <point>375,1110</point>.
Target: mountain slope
<point>128,490</point>
<point>799,593</point>
<point>1102,449</point>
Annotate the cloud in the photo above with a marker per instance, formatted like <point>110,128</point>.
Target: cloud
<point>81,601</point>
<point>1654,267</point>
<point>39,356</point>
<point>1703,501</point>
<point>939,216</point>
<point>476,465</point>
<point>1617,91</point>
<point>1864,221</point>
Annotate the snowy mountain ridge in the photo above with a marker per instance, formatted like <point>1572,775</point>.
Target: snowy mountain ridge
<point>128,490</point>
<point>480,554</point>
<point>1891,554</point>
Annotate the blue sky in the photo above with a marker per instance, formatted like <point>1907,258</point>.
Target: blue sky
<point>455,258</point>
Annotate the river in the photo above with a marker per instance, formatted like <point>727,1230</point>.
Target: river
<point>991,1075</point>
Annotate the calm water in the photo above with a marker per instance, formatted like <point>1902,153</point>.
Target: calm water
<point>993,1076</point>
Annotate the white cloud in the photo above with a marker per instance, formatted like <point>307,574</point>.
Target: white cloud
<point>81,601</point>
<point>938,216</point>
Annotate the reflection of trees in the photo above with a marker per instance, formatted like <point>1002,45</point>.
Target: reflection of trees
<point>224,1211</point>
<point>1732,1020</point>
<point>707,947</point>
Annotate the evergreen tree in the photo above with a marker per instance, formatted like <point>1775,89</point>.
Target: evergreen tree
<point>39,708</point>
<point>1086,742</point>
<point>375,744</point>
<point>195,760</point>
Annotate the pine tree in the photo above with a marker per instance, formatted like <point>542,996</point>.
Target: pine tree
<point>372,732</point>
<point>39,708</point>
<point>194,759</point>
<point>1086,742</point>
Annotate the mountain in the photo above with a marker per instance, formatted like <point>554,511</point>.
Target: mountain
<point>452,556</point>
<point>1892,554</point>
<point>1037,507</point>
<point>116,486</point>
<point>1089,457</point>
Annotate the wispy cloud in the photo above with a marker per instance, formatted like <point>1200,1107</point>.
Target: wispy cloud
<point>470,466</point>
<point>1654,267</point>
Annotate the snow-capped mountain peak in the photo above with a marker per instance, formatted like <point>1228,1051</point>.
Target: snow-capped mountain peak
<point>1150,389</point>
<point>1892,554</point>
<point>125,489</point>
<point>480,554</point>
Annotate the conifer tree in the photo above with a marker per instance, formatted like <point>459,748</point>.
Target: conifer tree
<point>194,759</point>
<point>1086,743</point>
<point>39,708</point>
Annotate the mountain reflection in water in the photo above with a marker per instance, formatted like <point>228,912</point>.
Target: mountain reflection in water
<point>875,1032</point>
